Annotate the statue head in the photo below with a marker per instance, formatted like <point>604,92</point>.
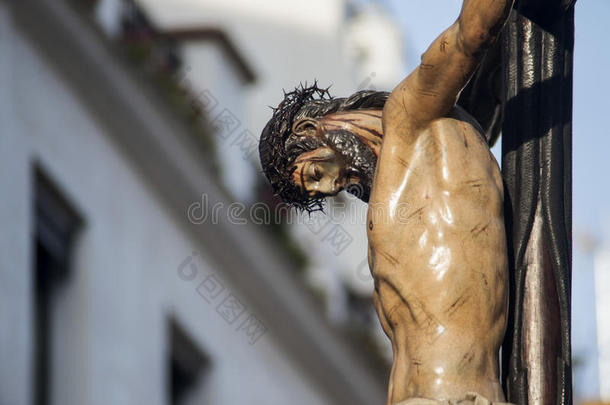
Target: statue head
<point>315,145</point>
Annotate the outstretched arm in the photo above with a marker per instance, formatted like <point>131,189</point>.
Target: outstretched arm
<point>432,89</point>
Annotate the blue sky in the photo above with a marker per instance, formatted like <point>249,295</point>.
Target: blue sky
<point>423,20</point>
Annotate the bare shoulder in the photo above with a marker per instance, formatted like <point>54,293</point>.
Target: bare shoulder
<point>466,163</point>
<point>449,153</point>
<point>456,132</point>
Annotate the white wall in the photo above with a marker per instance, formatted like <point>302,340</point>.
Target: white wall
<point>15,281</point>
<point>124,282</point>
<point>374,42</point>
<point>219,88</point>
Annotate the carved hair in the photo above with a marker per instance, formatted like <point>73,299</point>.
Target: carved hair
<point>279,146</point>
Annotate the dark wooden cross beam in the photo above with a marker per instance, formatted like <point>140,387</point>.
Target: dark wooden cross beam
<point>537,48</point>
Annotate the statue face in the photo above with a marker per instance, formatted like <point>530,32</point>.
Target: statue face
<point>321,172</point>
<point>325,172</point>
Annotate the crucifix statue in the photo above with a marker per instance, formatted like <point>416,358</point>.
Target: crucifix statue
<point>450,269</point>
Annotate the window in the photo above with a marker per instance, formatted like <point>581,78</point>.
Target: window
<point>187,366</point>
<point>55,225</point>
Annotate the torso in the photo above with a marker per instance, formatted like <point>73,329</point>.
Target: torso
<point>437,251</point>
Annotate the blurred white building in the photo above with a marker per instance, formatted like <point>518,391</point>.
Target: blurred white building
<point>375,43</point>
<point>109,292</point>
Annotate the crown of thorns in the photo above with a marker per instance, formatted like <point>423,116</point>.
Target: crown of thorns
<point>279,146</point>
<point>276,161</point>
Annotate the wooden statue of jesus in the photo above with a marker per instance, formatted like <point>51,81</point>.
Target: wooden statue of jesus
<point>437,245</point>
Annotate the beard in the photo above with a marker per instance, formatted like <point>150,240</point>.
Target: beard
<point>359,158</point>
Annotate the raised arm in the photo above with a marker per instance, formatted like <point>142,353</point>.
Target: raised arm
<point>432,89</point>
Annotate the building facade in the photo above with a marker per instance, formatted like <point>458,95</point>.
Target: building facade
<point>109,291</point>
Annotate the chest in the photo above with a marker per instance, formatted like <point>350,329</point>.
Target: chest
<point>436,186</point>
